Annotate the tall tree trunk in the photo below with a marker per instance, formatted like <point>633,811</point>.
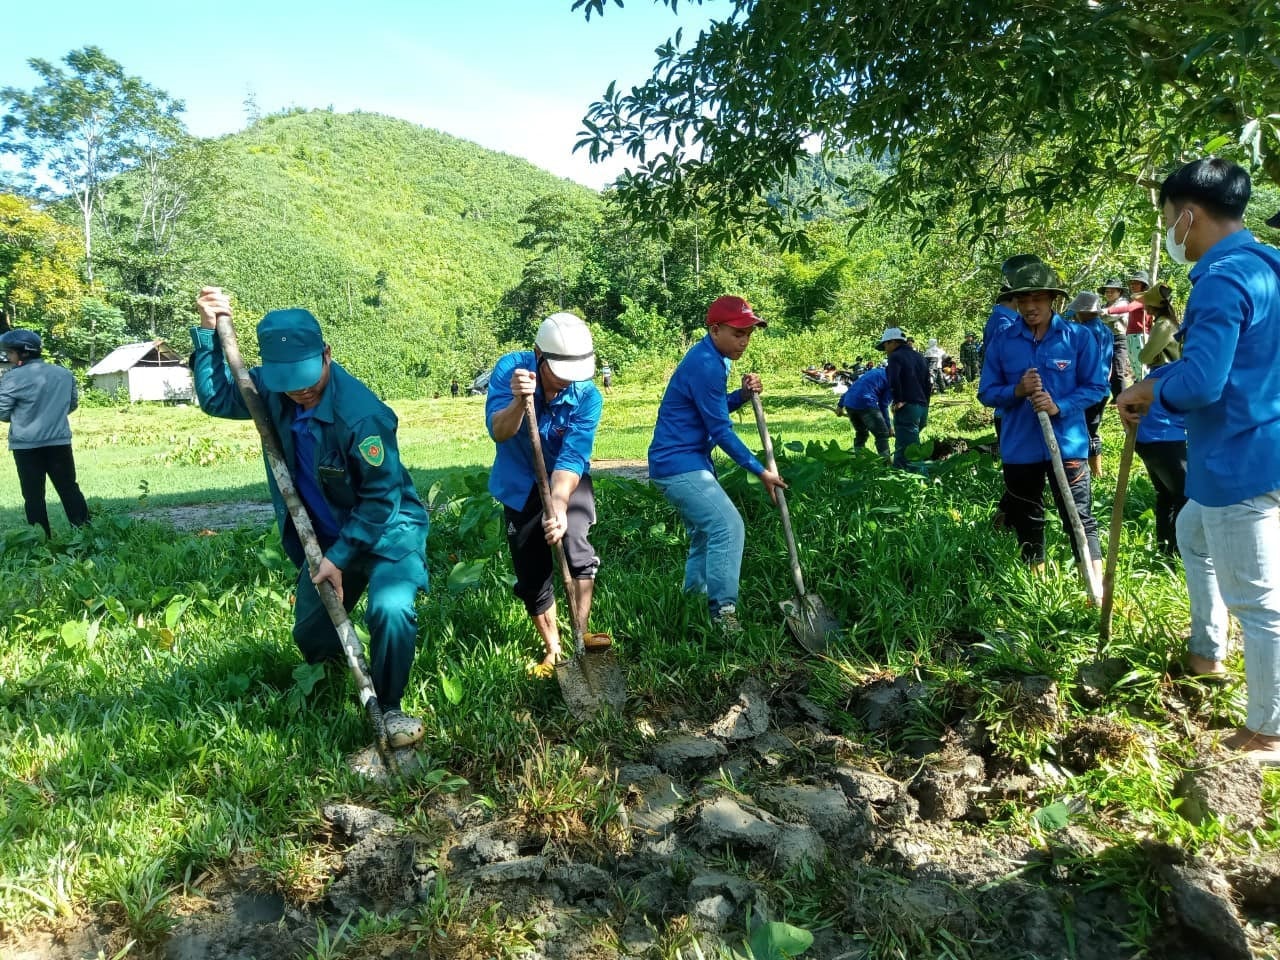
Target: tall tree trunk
<point>1157,240</point>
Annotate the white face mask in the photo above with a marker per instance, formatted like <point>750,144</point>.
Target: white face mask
<point>1178,251</point>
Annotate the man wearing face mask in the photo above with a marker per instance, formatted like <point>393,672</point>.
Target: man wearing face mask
<point>339,441</point>
<point>1228,386</point>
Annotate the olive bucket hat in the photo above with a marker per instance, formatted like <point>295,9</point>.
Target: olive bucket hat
<point>1030,274</point>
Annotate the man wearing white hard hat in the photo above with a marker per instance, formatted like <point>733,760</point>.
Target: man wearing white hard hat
<point>910,385</point>
<point>558,374</point>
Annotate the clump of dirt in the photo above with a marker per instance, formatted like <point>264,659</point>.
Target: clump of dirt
<point>976,418</point>
<point>1216,786</point>
<point>1094,741</point>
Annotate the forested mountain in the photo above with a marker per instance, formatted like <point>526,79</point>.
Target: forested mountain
<point>394,235</point>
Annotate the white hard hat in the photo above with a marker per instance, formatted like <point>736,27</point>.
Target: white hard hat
<point>891,334</point>
<point>565,343</point>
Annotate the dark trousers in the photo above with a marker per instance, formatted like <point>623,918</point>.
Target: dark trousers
<point>908,421</point>
<point>59,466</point>
<point>531,556</point>
<point>1024,505</point>
<point>870,422</point>
<point>1166,462</point>
<point>1093,421</point>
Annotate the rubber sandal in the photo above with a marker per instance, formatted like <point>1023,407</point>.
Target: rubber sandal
<point>597,641</point>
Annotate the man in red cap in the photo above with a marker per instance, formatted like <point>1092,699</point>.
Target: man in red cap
<point>692,419</point>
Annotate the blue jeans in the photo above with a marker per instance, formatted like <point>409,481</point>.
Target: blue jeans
<point>1232,559</point>
<point>908,421</point>
<point>716,535</point>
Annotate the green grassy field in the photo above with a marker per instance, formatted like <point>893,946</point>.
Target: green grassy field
<point>156,726</point>
<point>178,455</point>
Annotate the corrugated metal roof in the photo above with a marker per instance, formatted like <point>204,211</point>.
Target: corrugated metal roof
<point>125,358</point>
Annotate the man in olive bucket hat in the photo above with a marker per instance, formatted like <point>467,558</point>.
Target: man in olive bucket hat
<point>1043,364</point>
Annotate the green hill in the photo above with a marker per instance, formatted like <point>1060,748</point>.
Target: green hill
<point>400,239</point>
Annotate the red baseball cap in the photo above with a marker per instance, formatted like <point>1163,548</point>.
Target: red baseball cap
<point>733,312</point>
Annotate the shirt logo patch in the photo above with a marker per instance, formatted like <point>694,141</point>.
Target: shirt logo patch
<point>1062,364</point>
<point>372,450</point>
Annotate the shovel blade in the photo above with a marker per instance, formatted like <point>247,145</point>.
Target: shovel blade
<point>810,622</point>
<point>592,681</point>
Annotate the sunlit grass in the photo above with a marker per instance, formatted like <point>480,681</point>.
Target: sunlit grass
<point>151,723</point>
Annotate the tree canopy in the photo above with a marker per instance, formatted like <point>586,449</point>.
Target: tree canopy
<point>84,124</point>
<point>991,108</point>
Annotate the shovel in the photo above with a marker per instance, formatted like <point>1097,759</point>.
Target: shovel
<point>1113,540</point>
<point>351,644</point>
<point>807,616</point>
<point>1077,528</point>
<point>592,679</point>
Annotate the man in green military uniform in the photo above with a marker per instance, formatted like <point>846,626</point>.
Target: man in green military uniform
<point>339,441</point>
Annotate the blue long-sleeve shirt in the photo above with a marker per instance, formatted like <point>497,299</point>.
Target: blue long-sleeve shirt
<point>1070,371</point>
<point>869,391</point>
<point>693,417</point>
<point>1160,425</point>
<point>908,374</point>
<point>1103,333</point>
<point>567,426</point>
<point>999,320</point>
<point>1228,381</point>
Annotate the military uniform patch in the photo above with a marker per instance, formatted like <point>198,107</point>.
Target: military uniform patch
<point>372,450</point>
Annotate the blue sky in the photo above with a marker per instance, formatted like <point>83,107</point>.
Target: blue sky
<point>512,75</point>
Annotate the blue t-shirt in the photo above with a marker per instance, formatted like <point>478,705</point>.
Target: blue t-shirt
<point>1228,381</point>
<point>304,477</point>
<point>1000,319</point>
<point>693,417</point>
<point>566,425</point>
<point>1067,360</point>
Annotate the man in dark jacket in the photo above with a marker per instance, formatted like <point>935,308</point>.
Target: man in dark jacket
<point>339,441</point>
<point>909,386</point>
<point>35,398</point>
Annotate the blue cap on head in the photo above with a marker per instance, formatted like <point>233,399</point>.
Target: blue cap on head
<point>23,341</point>
<point>292,349</point>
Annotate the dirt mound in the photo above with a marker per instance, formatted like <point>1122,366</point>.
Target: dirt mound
<point>711,825</point>
<point>210,516</point>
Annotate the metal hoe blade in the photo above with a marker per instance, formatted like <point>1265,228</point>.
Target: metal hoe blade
<point>810,622</point>
<point>592,681</point>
